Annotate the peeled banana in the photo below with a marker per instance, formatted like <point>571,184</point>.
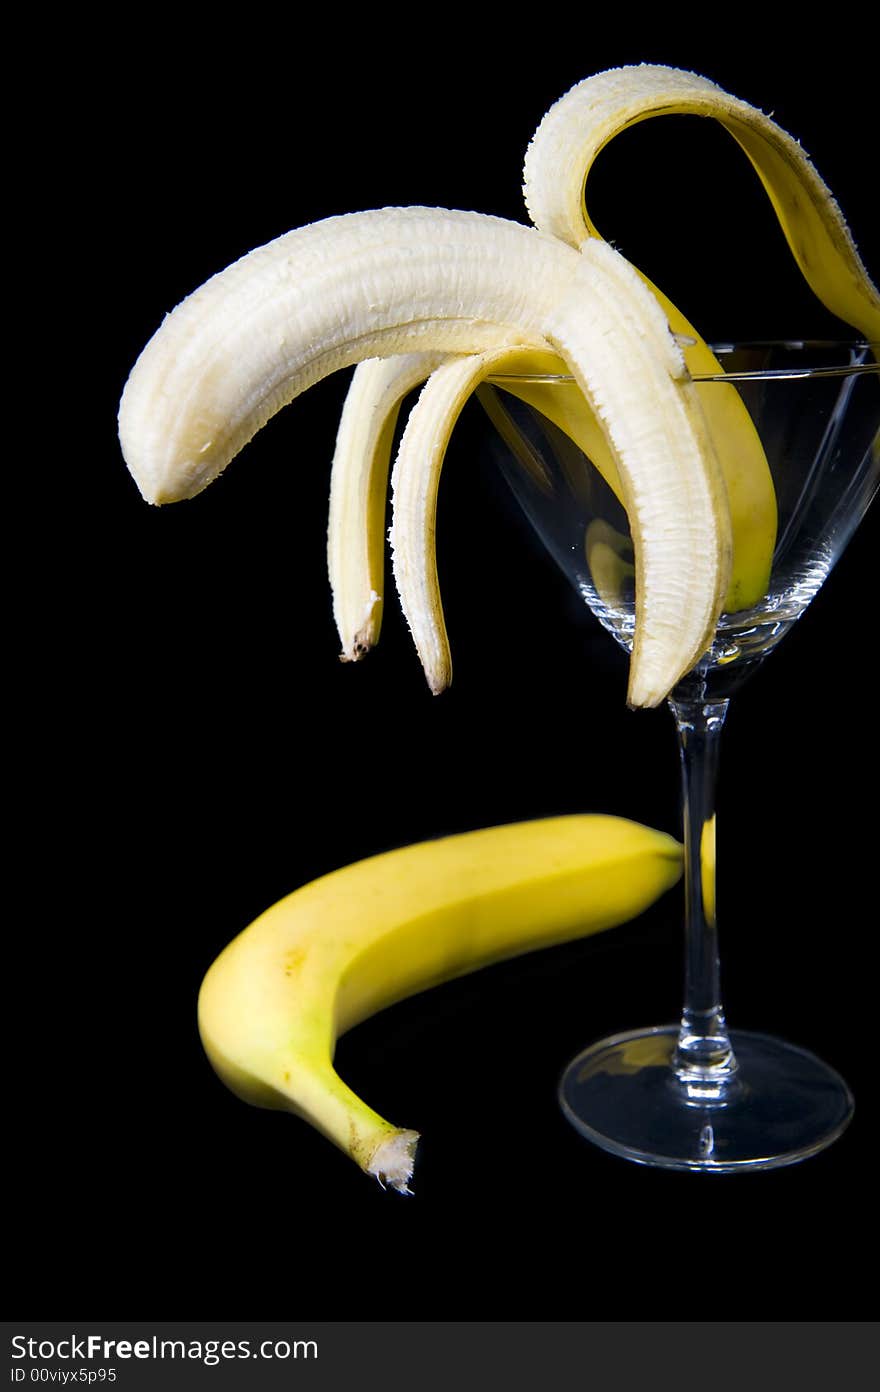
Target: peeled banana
<point>391,280</point>
<point>358,490</point>
<point>557,166</point>
<point>341,948</point>
<point>429,283</point>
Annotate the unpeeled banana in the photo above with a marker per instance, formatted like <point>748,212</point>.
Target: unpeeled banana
<point>339,949</point>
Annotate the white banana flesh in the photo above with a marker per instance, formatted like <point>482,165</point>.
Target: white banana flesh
<point>581,123</point>
<point>322,298</point>
<point>402,280</point>
<point>415,484</point>
<point>617,309</point>
<point>358,492</point>
<point>336,951</point>
<point>359,484</point>
<point>689,491</point>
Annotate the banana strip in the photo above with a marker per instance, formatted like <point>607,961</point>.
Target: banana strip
<point>415,483</point>
<point>582,122</point>
<point>343,947</point>
<point>557,166</point>
<point>358,493</point>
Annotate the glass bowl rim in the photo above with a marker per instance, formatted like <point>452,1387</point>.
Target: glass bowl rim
<point>721,346</point>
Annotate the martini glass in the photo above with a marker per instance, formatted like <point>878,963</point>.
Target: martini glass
<point>695,1095</point>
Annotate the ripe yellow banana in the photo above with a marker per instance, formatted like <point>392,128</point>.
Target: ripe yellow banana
<point>341,948</point>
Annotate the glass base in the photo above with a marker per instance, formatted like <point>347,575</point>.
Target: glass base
<point>781,1105</point>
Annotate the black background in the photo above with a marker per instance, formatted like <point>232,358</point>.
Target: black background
<point>193,749</point>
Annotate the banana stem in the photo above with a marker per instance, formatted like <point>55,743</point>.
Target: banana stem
<point>703,1062</point>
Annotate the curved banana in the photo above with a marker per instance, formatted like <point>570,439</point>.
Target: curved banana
<point>341,948</point>
<point>316,300</point>
<point>557,166</point>
<point>415,482</point>
<point>691,473</point>
<point>398,280</point>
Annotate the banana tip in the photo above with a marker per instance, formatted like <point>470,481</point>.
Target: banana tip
<point>394,1160</point>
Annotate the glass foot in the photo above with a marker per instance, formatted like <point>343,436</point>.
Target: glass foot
<point>782,1105</point>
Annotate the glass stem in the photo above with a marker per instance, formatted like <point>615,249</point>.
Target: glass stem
<point>703,1062</point>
